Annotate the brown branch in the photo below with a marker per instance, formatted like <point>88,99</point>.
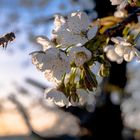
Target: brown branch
<point>113,30</point>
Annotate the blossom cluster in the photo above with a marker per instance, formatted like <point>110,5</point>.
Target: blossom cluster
<point>66,59</point>
<point>121,50</point>
<point>62,59</point>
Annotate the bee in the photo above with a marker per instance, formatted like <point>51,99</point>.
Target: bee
<point>4,40</point>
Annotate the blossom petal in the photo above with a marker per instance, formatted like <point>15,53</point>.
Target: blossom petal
<point>45,42</point>
<point>112,56</point>
<point>57,97</point>
<point>123,4</point>
<point>108,47</point>
<point>78,22</point>
<point>53,62</point>
<point>117,39</point>
<point>39,59</point>
<point>119,49</point>
<point>129,55</point>
<point>59,21</point>
<point>92,32</point>
<point>80,55</point>
<point>85,97</point>
<point>66,39</point>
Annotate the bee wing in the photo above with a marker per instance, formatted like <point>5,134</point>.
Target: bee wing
<point>35,52</point>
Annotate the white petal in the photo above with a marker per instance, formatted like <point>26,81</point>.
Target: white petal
<point>51,78</point>
<point>108,47</point>
<point>124,43</point>
<point>92,32</point>
<point>123,4</point>
<point>59,20</point>
<point>112,56</point>
<point>78,22</point>
<point>66,39</point>
<point>39,60</point>
<point>60,63</point>
<point>53,62</point>
<point>119,61</point>
<point>129,55</point>
<point>61,67</point>
<point>85,97</point>
<point>82,96</point>
<point>136,52</point>
<point>117,40</point>
<point>120,41</point>
<point>80,55</point>
<point>45,42</point>
<point>57,97</point>
<point>84,20</point>
<point>119,50</point>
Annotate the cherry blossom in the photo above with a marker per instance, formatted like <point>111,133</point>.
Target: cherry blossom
<point>85,97</point>
<point>112,55</point>
<point>59,21</point>
<point>45,42</point>
<point>121,50</point>
<point>53,62</point>
<point>79,55</point>
<point>74,31</point>
<point>56,96</point>
<point>124,49</point>
<point>67,58</point>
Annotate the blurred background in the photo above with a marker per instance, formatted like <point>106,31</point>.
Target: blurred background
<point>24,113</point>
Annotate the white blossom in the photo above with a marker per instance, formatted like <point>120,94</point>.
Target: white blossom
<point>80,55</point>
<point>75,30</point>
<point>85,97</point>
<point>59,98</point>
<point>112,55</point>
<point>53,62</point>
<point>129,54</point>
<point>120,41</point>
<point>123,48</point>
<point>59,21</point>
<point>56,96</point>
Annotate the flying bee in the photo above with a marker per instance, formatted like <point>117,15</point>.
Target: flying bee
<point>4,40</point>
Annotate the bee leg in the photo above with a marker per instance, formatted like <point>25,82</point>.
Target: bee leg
<point>6,45</point>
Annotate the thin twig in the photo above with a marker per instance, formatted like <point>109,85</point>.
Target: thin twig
<point>113,30</point>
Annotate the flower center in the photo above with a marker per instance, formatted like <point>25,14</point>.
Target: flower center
<point>81,55</point>
<point>83,33</point>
